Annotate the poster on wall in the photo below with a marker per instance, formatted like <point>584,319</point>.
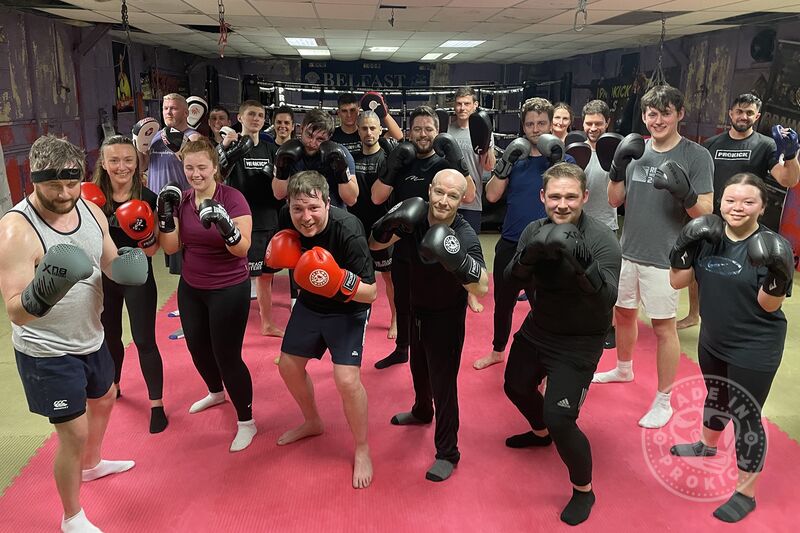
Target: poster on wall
<point>782,106</point>
<point>122,77</point>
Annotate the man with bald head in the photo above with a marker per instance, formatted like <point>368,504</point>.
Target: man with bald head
<point>449,266</point>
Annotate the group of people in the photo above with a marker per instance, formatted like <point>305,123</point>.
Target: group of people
<point>338,204</point>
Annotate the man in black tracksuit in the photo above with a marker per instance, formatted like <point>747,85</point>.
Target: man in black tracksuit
<point>446,263</point>
<point>570,262</point>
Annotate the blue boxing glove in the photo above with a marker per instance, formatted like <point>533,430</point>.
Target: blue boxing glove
<point>786,142</point>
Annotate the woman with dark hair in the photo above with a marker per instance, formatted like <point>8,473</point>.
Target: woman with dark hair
<point>210,224</point>
<point>563,117</point>
<point>744,272</point>
<point>129,208</point>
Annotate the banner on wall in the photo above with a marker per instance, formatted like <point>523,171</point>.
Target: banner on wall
<point>782,106</point>
<point>376,75</point>
<point>122,76</point>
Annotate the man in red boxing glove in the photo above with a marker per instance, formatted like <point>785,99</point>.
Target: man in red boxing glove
<point>337,286</point>
<point>136,219</point>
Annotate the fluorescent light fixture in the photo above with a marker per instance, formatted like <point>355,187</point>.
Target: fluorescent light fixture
<point>383,48</point>
<point>430,57</point>
<point>301,41</point>
<point>461,44</point>
<point>451,55</point>
<point>314,52</point>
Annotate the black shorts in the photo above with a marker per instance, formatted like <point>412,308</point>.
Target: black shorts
<point>58,387</point>
<point>309,333</point>
<point>382,259</point>
<point>258,249</point>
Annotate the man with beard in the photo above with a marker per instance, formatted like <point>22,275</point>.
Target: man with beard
<point>742,149</point>
<point>410,169</point>
<point>53,247</point>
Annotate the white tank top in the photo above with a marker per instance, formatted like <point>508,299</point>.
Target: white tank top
<point>73,325</point>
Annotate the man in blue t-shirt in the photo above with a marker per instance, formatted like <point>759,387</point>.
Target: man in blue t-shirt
<point>518,175</point>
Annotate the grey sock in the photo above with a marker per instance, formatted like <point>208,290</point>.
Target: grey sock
<point>695,449</point>
<point>440,470</point>
<point>408,419</point>
<point>736,508</point>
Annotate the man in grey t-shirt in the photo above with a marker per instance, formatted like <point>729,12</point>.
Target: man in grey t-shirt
<point>653,219</point>
<point>596,115</point>
<point>466,103</point>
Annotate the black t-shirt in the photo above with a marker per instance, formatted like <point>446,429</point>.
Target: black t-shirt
<point>561,313</point>
<point>344,238</point>
<point>734,327</point>
<point>248,177</point>
<point>434,289</point>
<point>368,168</point>
<point>755,154</point>
<point>351,141</point>
<point>115,231</point>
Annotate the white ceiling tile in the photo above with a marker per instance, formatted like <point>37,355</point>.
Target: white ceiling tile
<point>183,19</point>
<point>690,5</point>
<point>698,17</point>
<point>232,7</point>
<point>525,16</point>
<point>298,24</point>
<point>381,34</point>
<point>544,29</point>
<point>271,9</point>
<point>347,12</point>
<point>80,14</point>
<point>469,14</point>
<point>359,2</point>
<point>258,28</point>
<point>384,42</point>
<point>155,6</point>
<point>99,5</point>
<point>165,28</point>
<point>415,14</point>
<point>345,43</point>
<point>496,27</point>
<point>346,34</point>
<point>550,4</point>
<point>135,18</point>
<point>622,5</point>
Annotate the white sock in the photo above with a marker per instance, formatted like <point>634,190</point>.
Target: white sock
<point>213,398</point>
<point>660,412</point>
<point>106,468</point>
<point>78,524</point>
<point>244,435</point>
<point>622,373</point>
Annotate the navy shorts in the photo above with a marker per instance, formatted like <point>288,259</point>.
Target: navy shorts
<point>258,249</point>
<point>382,259</point>
<point>309,334</point>
<point>58,387</point>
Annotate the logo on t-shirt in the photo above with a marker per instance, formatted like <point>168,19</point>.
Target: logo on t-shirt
<point>646,175</point>
<point>733,155</point>
<point>414,178</point>
<point>255,164</point>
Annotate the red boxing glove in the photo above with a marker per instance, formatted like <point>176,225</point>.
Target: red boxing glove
<point>137,221</point>
<point>318,273</point>
<point>91,192</point>
<point>283,250</point>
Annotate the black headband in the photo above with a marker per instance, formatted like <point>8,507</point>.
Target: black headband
<point>38,176</point>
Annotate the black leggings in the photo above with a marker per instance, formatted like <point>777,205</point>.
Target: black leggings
<point>214,321</point>
<point>746,401</point>
<point>401,279</point>
<point>568,379</point>
<point>505,294</point>
<point>436,344</point>
<point>141,303</point>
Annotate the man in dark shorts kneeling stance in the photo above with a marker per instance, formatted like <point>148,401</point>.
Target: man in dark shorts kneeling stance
<point>332,308</point>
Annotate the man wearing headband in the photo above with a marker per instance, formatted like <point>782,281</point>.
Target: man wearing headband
<point>53,246</point>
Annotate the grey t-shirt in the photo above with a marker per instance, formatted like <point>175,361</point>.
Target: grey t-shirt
<point>597,184</point>
<point>461,135</point>
<point>653,217</point>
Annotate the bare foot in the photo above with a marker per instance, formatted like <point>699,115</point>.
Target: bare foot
<point>474,304</point>
<point>268,330</point>
<point>688,322</point>
<point>392,334</point>
<point>306,429</point>
<point>491,359</point>
<point>362,469</point>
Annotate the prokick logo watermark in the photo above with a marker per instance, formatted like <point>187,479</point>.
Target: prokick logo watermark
<point>703,479</point>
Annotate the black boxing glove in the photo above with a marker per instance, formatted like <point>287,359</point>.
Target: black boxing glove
<point>630,148</point>
<point>213,213</point>
<point>774,252</point>
<point>705,228</point>
<point>401,219</point>
<point>288,154</point>
<point>440,244</point>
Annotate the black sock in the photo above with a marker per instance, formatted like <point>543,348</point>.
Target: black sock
<point>736,508</point>
<point>527,440</point>
<point>158,419</point>
<point>578,508</point>
<point>396,357</point>
<point>695,449</point>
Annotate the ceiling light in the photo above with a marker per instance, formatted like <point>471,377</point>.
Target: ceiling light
<point>314,52</point>
<point>450,55</point>
<point>383,48</point>
<point>461,44</point>
<point>301,41</point>
<point>430,57</point>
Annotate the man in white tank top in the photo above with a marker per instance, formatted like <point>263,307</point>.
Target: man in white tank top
<point>53,247</point>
